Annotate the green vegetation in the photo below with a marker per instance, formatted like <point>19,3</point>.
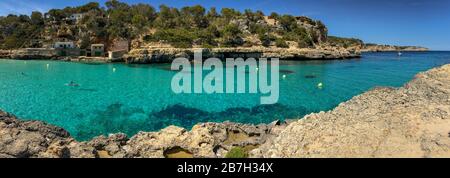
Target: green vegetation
<point>182,28</point>
<point>344,42</point>
<point>231,36</point>
<point>14,30</point>
<point>281,43</point>
<point>180,38</point>
<point>266,39</point>
<point>237,152</point>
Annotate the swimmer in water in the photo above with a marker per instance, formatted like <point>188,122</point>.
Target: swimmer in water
<point>72,84</point>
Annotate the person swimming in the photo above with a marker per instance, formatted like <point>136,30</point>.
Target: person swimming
<point>72,84</point>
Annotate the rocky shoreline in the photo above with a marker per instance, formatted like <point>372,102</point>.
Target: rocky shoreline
<point>166,55</point>
<point>35,139</point>
<point>390,48</point>
<point>411,121</point>
<point>48,54</point>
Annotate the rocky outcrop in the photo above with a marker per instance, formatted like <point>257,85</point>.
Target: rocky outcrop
<point>319,32</point>
<point>25,139</point>
<point>29,53</point>
<point>161,54</point>
<point>52,54</point>
<point>5,53</point>
<point>168,54</point>
<point>388,48</point>
<point>412,121</point>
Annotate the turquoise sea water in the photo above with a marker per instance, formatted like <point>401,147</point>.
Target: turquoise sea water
<point>135,98</point>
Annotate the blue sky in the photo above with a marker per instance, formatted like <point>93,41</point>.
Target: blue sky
<point>397,22</point>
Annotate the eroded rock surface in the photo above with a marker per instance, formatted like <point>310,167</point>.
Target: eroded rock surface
<point>168,54</point>
<point>412,121</point>
<point>24,139</point>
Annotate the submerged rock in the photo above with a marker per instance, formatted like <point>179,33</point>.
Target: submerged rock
<point>310,76</point>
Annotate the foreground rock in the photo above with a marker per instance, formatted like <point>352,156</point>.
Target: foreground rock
<point>25,139</point>
<point>412,121</point>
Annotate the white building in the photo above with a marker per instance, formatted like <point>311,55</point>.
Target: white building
<point>76,17</point>
<point>64,45</point>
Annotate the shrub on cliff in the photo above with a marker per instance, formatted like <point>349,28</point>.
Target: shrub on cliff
<point>95,26</point>
<point>231,36</point>
<point>259,29</point>
<point>183,38</point>
<point>119,16</point>
<point>288,22</point>
<point>237,152</point>
<point>281,43</point>
<point>253,16</point>
<point>266,39</point>
<point>207,37</point>
<point>344,42</point>
<point>194,17</point>
<point>274,15</point>
<point>304,42</point>
<point>229,13</point>
<point>178,38</point>
<point>37,18</point>
<point>299,35</point>
<point>142,16</point>
<point>18,31</point>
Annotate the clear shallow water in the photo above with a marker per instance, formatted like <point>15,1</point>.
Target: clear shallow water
<point>139,98</point>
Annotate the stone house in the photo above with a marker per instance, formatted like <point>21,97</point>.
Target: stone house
<point>64,45</point>
<point>98,50</point>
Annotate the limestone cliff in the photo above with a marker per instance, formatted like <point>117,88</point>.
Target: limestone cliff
<point>387,48</point>
<point>164,54</point>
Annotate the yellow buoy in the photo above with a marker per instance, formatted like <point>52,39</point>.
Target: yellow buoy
<point>114,69</point>
<point>284,76</point>
<point>48,65</point>
<point>320,85</point>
